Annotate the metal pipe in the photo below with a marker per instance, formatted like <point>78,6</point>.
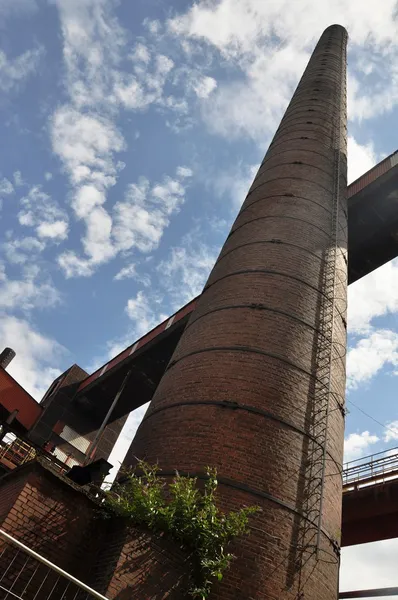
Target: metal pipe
<point>46,562</point>
<point>375,593</point>
<point>104,423</point>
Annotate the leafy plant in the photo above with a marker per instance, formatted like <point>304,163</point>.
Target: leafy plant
<point>186,514</point>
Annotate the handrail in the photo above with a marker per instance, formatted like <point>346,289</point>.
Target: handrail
<point>377,467</point>
<point>370,456</point>
<point>51,565</point>
<point>374,593</point>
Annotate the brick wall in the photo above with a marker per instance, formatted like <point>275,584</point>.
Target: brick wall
<point>47,513</point>
<point>244,389</point>
<point>54,517</point>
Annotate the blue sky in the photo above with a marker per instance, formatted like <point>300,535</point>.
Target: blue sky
<point>163,111</point>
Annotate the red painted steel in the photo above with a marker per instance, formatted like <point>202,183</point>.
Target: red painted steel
<point>370,176</point>
<point>180,314</point>
<point>14,397</point>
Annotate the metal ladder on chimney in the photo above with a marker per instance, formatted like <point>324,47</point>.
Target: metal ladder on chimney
<point>324,398</point>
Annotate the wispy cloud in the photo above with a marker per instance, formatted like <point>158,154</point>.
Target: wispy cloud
<point>22,250</point>
<point>41,212</point>
<point>369,355</point>
<point>267,44</point>
<point>361,158</point>
<point>135,223</point>
<point>103,76</point>
<point>34,290</point>
<point>38,357</point>
<point>15,71</point>
<point>358,444</point>
<point>375,295</point>
<point>184,271</point>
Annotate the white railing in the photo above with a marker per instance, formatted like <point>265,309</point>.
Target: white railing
<point>376,467</point>
<point>26,575</point>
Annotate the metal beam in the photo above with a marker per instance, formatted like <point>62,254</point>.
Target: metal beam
<point>375,593</point>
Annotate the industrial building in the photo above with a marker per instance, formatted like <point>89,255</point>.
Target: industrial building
<point>248,377</point>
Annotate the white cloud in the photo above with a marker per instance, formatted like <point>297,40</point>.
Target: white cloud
<point>86,199</point>
<point>144,312</point>
<point>86,144</point>
<point>373,296</point>
<point>240,26</point>
<point>13,72</point>
<point>370,355</point>
<point>235,183</point>
<point>58,230</point>
<point>41,211</point>
<point>48,176</point>
<point>33,291</point>
<point>97,242</point>
<point>391,432</point>
<point>20,250</point>
<point>139,221</point>
<point>38,357</point>
<point>128,272</point>
<point>357,445</point>
<point>95,47</point>
<point>268,43</point>
<point>141,53</point>
<point>204,86</point>
<point>184,272</point>
<point>368,566</point>
<point>361,158</point>
<point>73,266</point>
<point>18,180</point>
<point>237,108</point>
<point>6,187</point>
<point>184,172</point>
<point>103,76</point>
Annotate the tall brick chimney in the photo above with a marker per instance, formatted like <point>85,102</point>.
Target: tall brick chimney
<point>256,384</point>
<point>6,356</point>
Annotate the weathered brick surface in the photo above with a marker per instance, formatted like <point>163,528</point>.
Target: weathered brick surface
<point>47,513</point>
<point>253,340</point>
<point>51,515</point>
<point>134,564</point>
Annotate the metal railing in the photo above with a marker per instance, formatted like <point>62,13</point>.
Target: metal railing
<point>378,467</point>
<point>15,452</point>
<point>374,593</point>
<point>26,575</point>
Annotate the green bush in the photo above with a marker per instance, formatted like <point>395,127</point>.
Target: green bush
<point>186,514</point>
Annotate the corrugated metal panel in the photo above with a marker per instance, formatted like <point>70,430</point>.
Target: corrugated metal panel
<point>76,440</point>
<point>65,458</point>
<point>378,170</point>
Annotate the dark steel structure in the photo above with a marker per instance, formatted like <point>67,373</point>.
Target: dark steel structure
<point>6,357</point>
<point>256,384</point>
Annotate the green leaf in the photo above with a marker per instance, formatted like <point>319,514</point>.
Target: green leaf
<point>186,514</point>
